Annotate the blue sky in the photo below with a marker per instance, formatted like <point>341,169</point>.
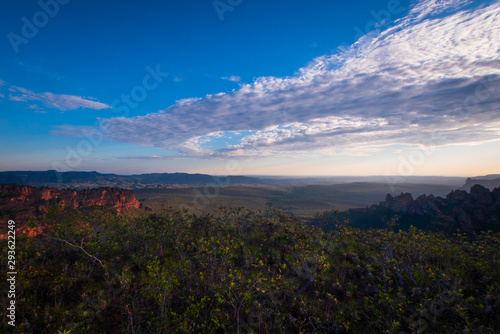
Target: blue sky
<point>251,87</point>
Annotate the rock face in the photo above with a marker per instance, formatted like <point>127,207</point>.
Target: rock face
<point>17,201</point>
<point>468,212</point>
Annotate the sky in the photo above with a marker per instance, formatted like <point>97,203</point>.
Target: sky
<point>251,87</point>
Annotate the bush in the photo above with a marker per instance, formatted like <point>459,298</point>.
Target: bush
<point>248,272</point>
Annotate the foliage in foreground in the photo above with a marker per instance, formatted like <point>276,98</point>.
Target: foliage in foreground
<point>241,271</point>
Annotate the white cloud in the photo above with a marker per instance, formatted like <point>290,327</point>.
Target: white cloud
<point>233,78</point>
<point>2,83</point>
<point>79,131</point>
<point>37,109</point>
<point>435,7</point>
<point>310,135</point>
<point>57,101</point>
<point>426,80</point>
<point>146,157</point>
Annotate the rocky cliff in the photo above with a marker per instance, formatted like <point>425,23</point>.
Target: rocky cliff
<point>469,212</point>
<point>17,201</point>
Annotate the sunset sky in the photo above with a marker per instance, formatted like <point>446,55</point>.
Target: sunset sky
<point>251,87</point>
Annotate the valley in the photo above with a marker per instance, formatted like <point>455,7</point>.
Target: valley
<point>301,200</point>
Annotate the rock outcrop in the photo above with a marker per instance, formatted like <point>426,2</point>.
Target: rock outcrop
<point>469,212</point>
<point>17,201</point>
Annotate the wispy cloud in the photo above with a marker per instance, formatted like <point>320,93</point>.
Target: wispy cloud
<point>233,78</point>
<point>428,79</point>
<point>36,108</point>
<point>57,101</point>
<point>2,83</point>
<point>147,157</point>
<point>73,131</point>
<point>425,9</point>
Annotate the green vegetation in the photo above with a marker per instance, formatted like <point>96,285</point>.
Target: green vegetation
<point>240,271</point>
<point>303,201</point>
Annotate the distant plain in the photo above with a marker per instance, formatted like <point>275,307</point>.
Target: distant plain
<point>301,200</point>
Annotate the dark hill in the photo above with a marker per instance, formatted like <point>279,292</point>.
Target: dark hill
<point>80,180</point>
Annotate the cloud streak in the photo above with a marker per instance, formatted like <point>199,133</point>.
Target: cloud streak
<point>431,78</point>
<point>56,101</point>
<point>233,78</point>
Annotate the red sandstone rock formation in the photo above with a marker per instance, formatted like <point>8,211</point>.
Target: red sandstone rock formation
<point>20,201</point>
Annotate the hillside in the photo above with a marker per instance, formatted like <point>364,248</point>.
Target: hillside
<point>238,271</point>
<point>230,270</point>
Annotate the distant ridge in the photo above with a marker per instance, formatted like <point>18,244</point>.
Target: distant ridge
<point>491,181</point>
<point>82,180</point>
